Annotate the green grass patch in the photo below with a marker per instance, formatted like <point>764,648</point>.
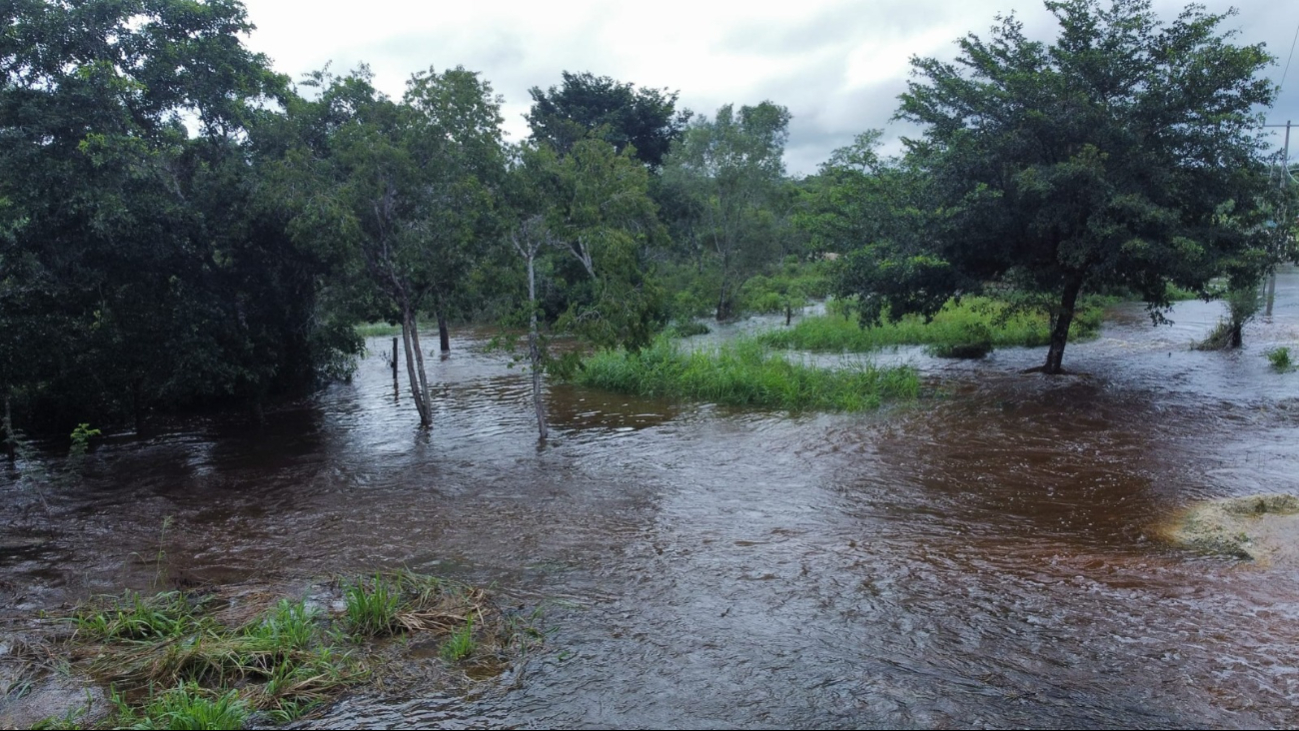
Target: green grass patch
<point>377,329</point>
<point>974,325</point>
<point>188,661</point>
<point>745,373</point>
<point>1280,359</point>
<point>687,329</point>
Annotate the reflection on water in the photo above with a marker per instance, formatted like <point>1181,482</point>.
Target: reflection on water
<point>980,560</point>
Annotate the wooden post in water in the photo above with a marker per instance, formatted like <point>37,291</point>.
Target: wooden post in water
<point>1284,223</point>
<point>394,358</point>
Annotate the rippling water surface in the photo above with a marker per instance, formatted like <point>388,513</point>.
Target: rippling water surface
<point>985,558</point>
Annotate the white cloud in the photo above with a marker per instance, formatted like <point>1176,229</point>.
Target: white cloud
<point>837,64</point>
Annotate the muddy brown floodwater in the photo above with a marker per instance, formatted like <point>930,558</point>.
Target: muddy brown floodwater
<point>986,558</point>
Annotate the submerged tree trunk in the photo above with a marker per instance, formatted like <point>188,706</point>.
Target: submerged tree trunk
<point>10,441</point>
<point>534,351</point>
<point>1060,328</point>
<point>137,405</point>
<point>444,336</point>
<point>1271,292</point>
<point>1237,336</point>
<point>414,362</point>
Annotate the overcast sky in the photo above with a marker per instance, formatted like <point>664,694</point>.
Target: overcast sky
<point>837,65</point>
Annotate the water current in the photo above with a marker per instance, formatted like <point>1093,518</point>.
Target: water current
<point>986,558</point>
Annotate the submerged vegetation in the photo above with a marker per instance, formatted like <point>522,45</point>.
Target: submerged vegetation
<point>201,660</point>
<point>972,325</point>
<point>746,373</point>
<point>1280,359</point>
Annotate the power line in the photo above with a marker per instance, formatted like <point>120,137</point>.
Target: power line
<point>1287,61</point>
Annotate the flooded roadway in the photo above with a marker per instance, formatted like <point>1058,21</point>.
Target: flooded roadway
<point>986,558</point>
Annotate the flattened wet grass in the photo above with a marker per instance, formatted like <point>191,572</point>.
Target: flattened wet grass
<point>171,660</point>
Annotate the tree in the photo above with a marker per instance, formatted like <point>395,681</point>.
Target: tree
<point>618,113</point>
<point>142,272</point>
<point>407,185</point>
<point>1124,154</point>
<point>733,167</point>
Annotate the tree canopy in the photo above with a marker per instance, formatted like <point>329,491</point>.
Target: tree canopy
<point>1125,153</point>
<point>619,113</point>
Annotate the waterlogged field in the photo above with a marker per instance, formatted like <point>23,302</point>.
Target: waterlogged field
<point>972,321</point>
<point>989,557</point>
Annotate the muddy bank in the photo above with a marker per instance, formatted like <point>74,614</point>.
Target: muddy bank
<point>1260,528</point>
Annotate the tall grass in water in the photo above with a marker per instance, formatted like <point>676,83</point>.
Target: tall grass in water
<point>974,321</point>
<point>745,373</point>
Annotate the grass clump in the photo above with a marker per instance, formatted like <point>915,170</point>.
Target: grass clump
<point>175,660</point>
<point>372,606</point>
<point>377,330</point>
<point>136,617</point>
<point>745,373</point>
<point>969,328</point>
<point>188,706</point>
<point>1280,359</point>
<point>687,329</point>
<point>460,644</point>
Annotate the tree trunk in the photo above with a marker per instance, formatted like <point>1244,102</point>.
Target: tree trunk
<point>10,441</point>
<point>1237,338</point>
<point>137,406</point>
<point>534,352</point>
<point>1060,329</point>
<point>407,331</point>
<point>444,336</point>
<point>1271,292</point>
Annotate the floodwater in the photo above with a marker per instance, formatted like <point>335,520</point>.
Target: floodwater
<point>987,558</point>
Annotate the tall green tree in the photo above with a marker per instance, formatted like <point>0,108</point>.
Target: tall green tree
<point>408,186</point>
<point>619,113</point>
<point>732,167</point>
<point>139,276</point>
<point>1113,156</point>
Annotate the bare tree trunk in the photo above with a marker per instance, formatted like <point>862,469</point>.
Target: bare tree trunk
<point>137,405</point>
<point>417,393</point>
<point>1060,329</point>
<point>534,350</point>
<point>1271,292</point>
<point>444,336</point>
<point>421,371</point>
<point>10,442</point>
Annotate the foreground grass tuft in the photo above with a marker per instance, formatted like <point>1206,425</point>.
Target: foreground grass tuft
<point>969,328</point>
<point>745,373</point>
<point>172,663</point>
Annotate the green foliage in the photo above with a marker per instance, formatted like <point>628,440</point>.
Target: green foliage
<point>460,644</point>
<point>726,175</point>
<point>372,606</point>
<point>1082,165</point>
<point>81,439</point>
<point>283,662</point>
<point>643,120</point>
<point>164,616</point>
<point>188,706</point>
<point>592,207</point>
<point>139,267</point>
<point>973,321</point>
<point>1280,359</point>
<point>687,329</point>
<point>745,373</point>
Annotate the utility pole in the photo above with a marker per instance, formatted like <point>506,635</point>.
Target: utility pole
<point>1284,223</point>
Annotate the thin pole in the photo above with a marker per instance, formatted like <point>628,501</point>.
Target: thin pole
<point>1284,223</point>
